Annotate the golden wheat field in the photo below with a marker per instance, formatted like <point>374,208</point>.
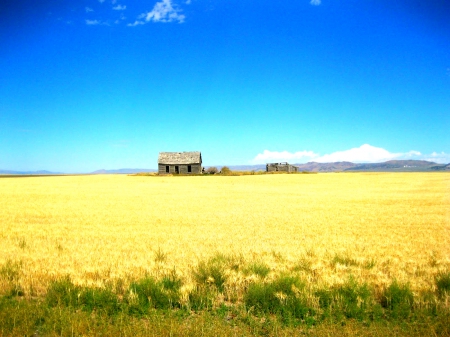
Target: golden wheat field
<point>374,226</point>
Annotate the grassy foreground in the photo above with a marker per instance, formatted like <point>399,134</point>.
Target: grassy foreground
<point>283,306</point>
<point>322,254</point>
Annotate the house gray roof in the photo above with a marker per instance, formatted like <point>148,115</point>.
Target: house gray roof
<point>194,157</point>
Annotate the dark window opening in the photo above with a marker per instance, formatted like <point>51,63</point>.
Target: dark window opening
<point>177,170</point>
<point>189,168</point>
<point>167,169</point>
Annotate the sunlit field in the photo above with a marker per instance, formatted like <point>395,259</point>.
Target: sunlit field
<point>108,231</point>
<point>95,228</point>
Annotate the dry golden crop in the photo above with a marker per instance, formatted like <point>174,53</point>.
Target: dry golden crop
<point>99,228</point>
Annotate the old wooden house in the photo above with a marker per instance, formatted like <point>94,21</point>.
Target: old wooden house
<point>281,167</point>
<point>180,162</point>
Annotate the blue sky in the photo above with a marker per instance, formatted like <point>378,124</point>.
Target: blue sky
<point>86,85</point>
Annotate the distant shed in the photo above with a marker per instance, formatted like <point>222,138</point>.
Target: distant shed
<point>281,167</point>
<point>180,162</point>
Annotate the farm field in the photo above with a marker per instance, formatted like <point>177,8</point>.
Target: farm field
<point>228,233</point>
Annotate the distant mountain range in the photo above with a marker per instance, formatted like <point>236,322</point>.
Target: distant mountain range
<point>401,166</point>
<point>388,166</point>
<point>42,172</point>
<point>122,171</point>
<point>343,166</point>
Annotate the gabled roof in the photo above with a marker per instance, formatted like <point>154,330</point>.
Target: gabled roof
<point>193,157</point>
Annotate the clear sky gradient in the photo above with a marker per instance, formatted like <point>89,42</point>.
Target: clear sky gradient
<point>86,85</point>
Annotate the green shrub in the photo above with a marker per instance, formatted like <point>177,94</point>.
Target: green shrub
<point>171,281</point>
<point>212,272</point>
<point>353,299</point>
<point>15,290</point>
<point>443,283</point>
<point>278,297</point>
<point>10,271</point>
<point>257,268</point>
<point>325,298</point>
<point>225,170</point>
<point>201,298</point>
<point>212,170</point>
<point>344,260</point>
<point>63,292</point>
<point>99,299</point>
<point>398,299</point>
<point>147,293</point>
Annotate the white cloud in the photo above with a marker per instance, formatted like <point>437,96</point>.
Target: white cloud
<point>119,8</point>
<point>164,11</point>
<point>315,2</point>
<point>88,9</point>
<point>442,158</point>
<point>188,2</point>
<point>364,154</point>
<point>92,22</point>
<point>136,23</point>
<point>275,156</point>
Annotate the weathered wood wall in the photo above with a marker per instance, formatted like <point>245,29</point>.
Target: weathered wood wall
<point>182,169</point>
<point>281,168</point>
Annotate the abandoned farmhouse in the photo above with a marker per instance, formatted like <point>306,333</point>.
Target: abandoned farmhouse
<point>180,162</point>
<point>281,167</point>
<point>191,163</point>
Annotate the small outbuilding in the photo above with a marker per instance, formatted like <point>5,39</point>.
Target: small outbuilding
<point>180,162</point>
<point>281,167</point>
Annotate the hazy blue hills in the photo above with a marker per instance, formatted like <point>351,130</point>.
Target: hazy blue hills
<point>326,167</point>
<point>388,166</point>
<point>344,166</point>
<point>123,171</point>
<point>41,172</point>
<point>441,168</point>
<point>401,166</point>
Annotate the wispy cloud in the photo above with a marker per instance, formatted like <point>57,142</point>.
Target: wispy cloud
<point>163,11</point>
<point>315,2</point>
<point>88,9</point>
<point>92,22</point>
<point>136,23</point>
<point>120,7</point>
<point>122,17</point>
<point>442,157</point>
<point>101,1</point>
<point>364,154</point>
